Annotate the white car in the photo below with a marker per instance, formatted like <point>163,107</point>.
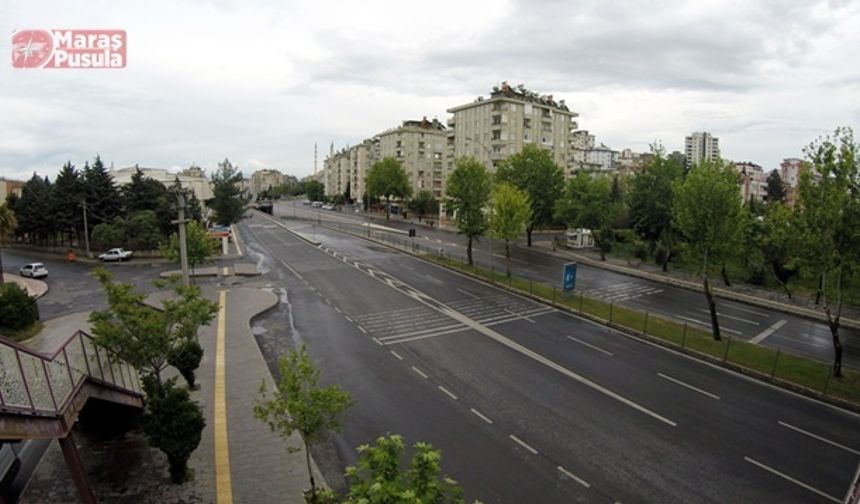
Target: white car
<point>116,254</point>
<point>328,207</point>
<point>34,270</point>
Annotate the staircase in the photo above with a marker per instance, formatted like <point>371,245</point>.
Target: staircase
<point>42,395</point>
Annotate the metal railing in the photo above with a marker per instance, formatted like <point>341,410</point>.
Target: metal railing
<point>40,384</point>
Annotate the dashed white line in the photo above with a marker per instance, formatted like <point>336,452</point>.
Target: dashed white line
<point>480,415</point>
<point>337,309</point>
<point>822,439</point>
<point>708,324</point>
<point>396,354</point>
<point>523,444</point>
<point>574,477</point>
<point>347,317</point>
<point>378,342</point>
<point>361,329</point>
<point>420,373</point>
<point>687,385</point>
<point>589,345</point>
<point>447,392</point>
<point>789,478</point>
<point>767,332</point>
<point>434,279</point>
<point>731,317</point>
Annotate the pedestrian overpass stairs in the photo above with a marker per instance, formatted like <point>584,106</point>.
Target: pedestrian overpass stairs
<point>42,395</point>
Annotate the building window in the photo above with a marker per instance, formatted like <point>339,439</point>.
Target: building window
<point>497,120</point>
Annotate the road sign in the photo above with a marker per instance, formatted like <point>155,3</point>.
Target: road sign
<point>569,276</point>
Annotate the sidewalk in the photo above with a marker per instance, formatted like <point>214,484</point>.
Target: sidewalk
<point>57,331</point>
<point>35,288</point>
<point>238,460</point>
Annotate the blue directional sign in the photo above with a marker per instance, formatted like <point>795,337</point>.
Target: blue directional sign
<point>569,276</point>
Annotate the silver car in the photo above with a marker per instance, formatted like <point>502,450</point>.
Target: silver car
<point>34,270</point>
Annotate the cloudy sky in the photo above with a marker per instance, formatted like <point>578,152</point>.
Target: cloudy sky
<point>261,81</point>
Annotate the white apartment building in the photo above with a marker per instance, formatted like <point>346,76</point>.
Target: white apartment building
<point>491,129</point>
<point>345,171</point>
<point>701,146</point>
<point>602,157</point>
<point>420,146</point>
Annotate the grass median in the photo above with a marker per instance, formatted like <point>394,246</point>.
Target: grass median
<point>774,364</point>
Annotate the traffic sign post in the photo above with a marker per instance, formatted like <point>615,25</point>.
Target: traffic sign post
<point>569,277</point>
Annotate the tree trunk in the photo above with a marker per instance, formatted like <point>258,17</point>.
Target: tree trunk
<point>820,290</point>
<point>387,208</point>
<point>508,257</point>
<point>782,284</point>
<point>837,346</point>
<point>712,307</point>
<point>469,250</point>
<point>725,275</point>
<point>310,471</point>
<point>1,267</point>
<point>529,235</point>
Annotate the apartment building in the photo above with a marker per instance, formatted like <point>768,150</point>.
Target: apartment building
<point>491,129</point>
<point>345,171</point>
<point>263,180</point>
<point>194,180</point>
<point>420,146</point>
<point>790,170</point>
<point>701,146</point>
<point>752,181</point>
<point>8,187</point>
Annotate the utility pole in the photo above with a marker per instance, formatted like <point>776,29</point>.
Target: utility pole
<point>86,229</point>
<point>183,246</point>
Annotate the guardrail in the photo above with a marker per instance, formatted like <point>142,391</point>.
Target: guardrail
<point>44,385</point>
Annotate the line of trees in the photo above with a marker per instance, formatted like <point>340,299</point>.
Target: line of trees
<point>695,218</point>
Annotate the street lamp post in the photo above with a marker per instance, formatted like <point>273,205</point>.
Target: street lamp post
<point>183,245</point>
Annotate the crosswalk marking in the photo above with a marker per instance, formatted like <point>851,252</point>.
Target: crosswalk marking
<point>622,292</point>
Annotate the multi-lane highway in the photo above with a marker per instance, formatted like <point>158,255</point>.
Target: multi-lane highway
<point>530,404</point>
<point>792,333</point>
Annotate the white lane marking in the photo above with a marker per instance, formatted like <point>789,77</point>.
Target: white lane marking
<point>447,392</point>
<point>767,332</point>
<point>467,293</point>
<point>337,309</point>
<point>422,331</point>
<point>707,325</point>
<point>748,310</point>
<point>730,317</point>
<point>589,345</point>
<point>574,477</point>
<point>361,329</point>
<point>348,318</point>
<point>691,387</point>
<point>396,354</point>
<point>420,373</point>
<point>378,342</point>
<point>480,415</point>
<point>822,439</point>
<point>425,336</point>
<point>434,279</point>
<point>523,444</point>
<point>789,478</point>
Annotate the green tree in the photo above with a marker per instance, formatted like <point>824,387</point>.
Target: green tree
<point>778,243</point>
<point>377,478</point>
<point>469,187</point>
<point>532,170</point>
<point>8,223</point>
<point>388,178</point>
<point>198,243</point>
<point>17,309</point>
<point>109,234</point>
<point>650,200</point>
<point>510,212</point>
<point>67,194</point>
<point>424,203</point>
<point>706,210</point>
<point>830,223</point>
<point>228,202</point>
<point>145,336</point>
<point>142,231</point>
<point>103,198</point>
<point>587,203</point>
<point>174,424</point>
<point>300,405</point>
<point>186,358</point>
<point>314,190</point>
<point>775,188</point>
<point>34,211</point>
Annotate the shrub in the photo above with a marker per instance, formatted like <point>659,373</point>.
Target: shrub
<point>186,358</point>
<point>109,235</point>
<point>17,309</point>
<point>640,251</point>
<point>173,424</point>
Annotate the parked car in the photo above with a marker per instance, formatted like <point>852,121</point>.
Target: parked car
<point>328,207</point>
<point>317,204</point>
<point>116,254</point>
<point>34,270</point>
